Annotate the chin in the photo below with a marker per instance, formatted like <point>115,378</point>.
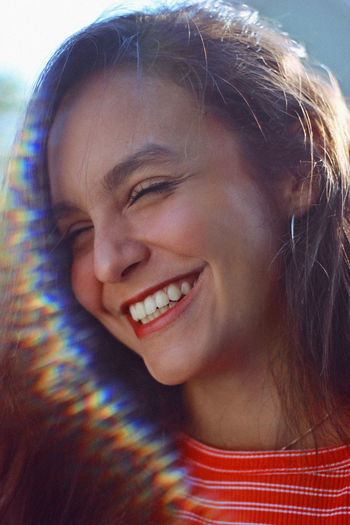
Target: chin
<point>168,376</point>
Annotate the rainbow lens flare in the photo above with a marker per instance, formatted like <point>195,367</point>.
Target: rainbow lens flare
<point>55,338</point>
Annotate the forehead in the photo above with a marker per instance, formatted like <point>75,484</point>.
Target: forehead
<point>113,115</point>
<point>124,105</point>
<point>126,97</point>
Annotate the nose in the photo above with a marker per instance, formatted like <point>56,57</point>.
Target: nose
<point>116,257</point>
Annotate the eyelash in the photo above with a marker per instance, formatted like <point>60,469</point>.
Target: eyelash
<point>155,187</point>
<point>136,194</point>
<point>69,237</point>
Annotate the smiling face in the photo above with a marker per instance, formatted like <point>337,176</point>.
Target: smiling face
<point>172,238</point>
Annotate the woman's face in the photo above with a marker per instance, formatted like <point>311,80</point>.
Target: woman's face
<point>164,216</point>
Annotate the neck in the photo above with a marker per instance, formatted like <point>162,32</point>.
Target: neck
<point>239,412</point>
<point>245,413</point>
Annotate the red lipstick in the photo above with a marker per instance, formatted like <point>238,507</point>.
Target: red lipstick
<point>160,286</point>
<point>143,330</point>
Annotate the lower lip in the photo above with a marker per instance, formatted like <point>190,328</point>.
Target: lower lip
<point>142,330</point>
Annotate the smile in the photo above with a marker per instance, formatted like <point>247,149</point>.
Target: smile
<point>161,301</point>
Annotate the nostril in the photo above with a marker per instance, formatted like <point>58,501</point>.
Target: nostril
<point>128,269</point>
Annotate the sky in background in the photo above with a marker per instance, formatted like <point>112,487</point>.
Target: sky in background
<point>32,29</point>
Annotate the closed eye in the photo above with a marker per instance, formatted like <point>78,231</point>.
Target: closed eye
<point>73,238</point>
<point>151,186</point>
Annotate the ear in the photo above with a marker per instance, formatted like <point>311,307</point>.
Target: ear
<point>298,195</point>
<point>300,189</point>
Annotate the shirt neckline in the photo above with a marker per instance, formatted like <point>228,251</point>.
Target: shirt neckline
<point>326,458</point>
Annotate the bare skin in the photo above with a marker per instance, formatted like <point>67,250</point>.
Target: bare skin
<point>212,226</point>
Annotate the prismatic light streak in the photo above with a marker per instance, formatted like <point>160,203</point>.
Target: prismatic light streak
<point>56,338</point>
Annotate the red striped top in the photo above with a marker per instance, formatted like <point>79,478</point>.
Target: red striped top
<point>267,487</point>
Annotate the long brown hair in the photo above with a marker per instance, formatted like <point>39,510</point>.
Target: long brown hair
<point>291,121</point>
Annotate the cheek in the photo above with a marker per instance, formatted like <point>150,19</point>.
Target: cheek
<point>85,286</point>
<point>205,223</point>
<point>182,225</point>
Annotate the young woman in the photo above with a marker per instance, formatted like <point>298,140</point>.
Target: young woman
<point>175,281</point>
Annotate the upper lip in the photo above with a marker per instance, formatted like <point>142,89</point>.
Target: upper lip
<point>149,291</point>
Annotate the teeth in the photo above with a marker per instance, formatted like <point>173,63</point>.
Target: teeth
<point>157,304</point>
<point>163,309</point>
<point>158,312</point>
<point>133,312</point>
<point>140,310</point>
<point>185,287</point>
<point>150,305</point>
<point>161,299</point>
<point>174,292</point>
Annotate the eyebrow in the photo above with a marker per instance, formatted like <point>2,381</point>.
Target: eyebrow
<point>150,154</point>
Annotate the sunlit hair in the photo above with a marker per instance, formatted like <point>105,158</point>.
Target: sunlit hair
<point>291,121</point>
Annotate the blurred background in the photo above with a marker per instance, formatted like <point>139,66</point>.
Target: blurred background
<point>31,31</point>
